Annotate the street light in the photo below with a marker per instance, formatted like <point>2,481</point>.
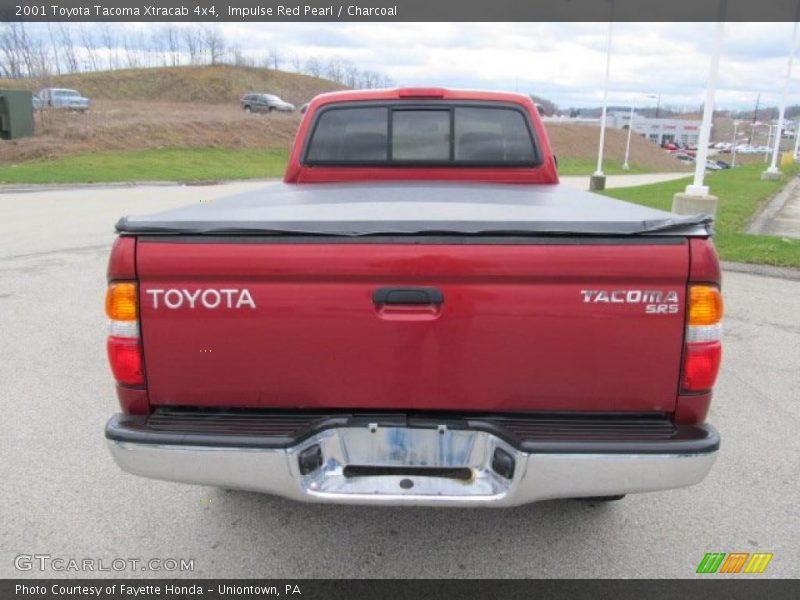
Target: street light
<point>697,188</point>
<point>769,142</point>
<point>625,165</point>
<point>696,198</point>
<point>598,179</point>
<point>772,172</point>
<point>733,148</point>
<point>796,138</point>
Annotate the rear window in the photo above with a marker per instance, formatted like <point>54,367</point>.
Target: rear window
<point>436,135</point>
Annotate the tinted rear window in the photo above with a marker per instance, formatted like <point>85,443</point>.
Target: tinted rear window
<point>440,135</point>
<point>350,134</point>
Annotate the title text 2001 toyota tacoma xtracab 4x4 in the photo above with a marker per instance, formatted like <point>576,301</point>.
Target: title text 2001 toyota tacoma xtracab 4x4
<point>417,314</point>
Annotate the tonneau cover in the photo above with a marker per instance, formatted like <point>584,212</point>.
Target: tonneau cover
<point>416,208</point>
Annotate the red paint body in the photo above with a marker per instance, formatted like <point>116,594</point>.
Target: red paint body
<point>514,332</point>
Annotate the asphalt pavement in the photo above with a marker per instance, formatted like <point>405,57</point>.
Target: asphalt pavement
<point>62,495</point>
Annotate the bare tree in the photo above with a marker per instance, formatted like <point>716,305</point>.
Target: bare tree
<point>110,45</point>
<point>173,45</point>
<point>21,55</point>
<point>314,66</point>
<point>158,46</point>
<point>274,57</point>
<point>214,44</point>
<point>131,53</point>
<point>26,53</point>
<point>37,57</point>
<point>89,47</point>
<point>68,48</point>
<point>335,70</point>
<point>54,61</point>
<point>193,40</point>
<point>11,64</point>
<point>369,79</point>
<point>239,58</point>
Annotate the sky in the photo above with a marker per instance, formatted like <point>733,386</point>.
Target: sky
<point>563,62</point>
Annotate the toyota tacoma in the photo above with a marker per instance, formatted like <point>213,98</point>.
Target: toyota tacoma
<point>418,314</point>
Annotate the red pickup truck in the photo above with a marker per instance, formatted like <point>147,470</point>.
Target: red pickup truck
<point>417,314</point>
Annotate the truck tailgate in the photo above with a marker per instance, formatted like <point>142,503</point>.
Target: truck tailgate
<point>523,324</point>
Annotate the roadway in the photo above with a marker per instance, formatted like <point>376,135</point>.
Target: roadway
<point>62,495</point>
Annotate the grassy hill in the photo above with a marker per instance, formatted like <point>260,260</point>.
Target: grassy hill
<point>575,146</point>
<point>202,84</point>
<point>196,109</point>
<point>157,108</point>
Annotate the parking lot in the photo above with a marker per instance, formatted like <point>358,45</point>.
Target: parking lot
<point>62,495</point>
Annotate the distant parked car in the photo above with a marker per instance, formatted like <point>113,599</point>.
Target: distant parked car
<point>722,164</point>
<point>684,157</point>
<point>255,102</point>
<point>61,98</point>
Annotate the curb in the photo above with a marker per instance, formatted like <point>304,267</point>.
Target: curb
<point>773,206</point>
<point>11,188</point>
<point>762,270</point>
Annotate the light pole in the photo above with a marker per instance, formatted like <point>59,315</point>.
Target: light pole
<point>796,138</point>
<point>773,172</point>
<point>733,148</point>
<point>769,143</point>
<point>697,188</point>
<point>625,165</point>
<point>598,180</point>
<point>696,198</point>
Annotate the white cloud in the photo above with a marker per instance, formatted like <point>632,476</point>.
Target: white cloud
<point>561,61</point>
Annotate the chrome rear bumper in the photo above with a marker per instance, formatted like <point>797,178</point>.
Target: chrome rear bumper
<point>390,465</point>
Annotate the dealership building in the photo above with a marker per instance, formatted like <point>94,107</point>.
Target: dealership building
<point>660,131</point>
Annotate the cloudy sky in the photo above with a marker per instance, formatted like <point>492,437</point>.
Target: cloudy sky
<point>561,61</point>
<point>564,62</point>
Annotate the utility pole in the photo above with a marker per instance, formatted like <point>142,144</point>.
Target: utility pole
<point>752,137</point>
<point>755,112</point>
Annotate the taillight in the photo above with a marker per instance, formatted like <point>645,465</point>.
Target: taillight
<point>703,352</point>
<point>126,360</point>
<point>124,349</point>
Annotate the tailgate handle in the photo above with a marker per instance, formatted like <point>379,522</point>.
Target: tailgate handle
<point>408,295</point>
